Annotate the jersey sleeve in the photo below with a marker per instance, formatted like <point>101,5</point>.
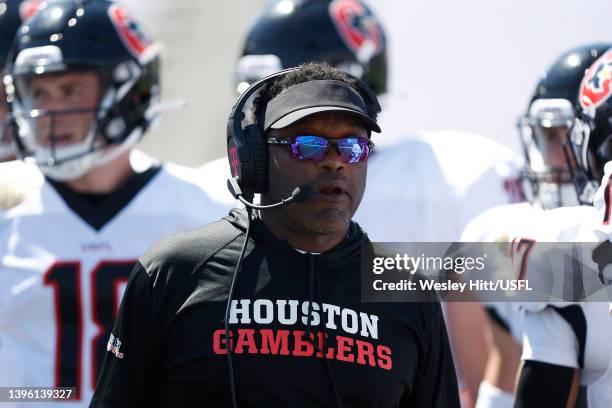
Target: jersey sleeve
<point>127,378</point>
<point>549,338</point>
<point>436,385</point>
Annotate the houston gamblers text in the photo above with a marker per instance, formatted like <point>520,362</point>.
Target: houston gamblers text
<point>337,333</point>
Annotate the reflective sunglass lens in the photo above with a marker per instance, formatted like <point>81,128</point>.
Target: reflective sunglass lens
<point>353,149</point>
<point>309,148</point>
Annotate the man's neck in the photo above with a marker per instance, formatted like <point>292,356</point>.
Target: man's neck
<point>104,179</point>
<point>303,240</point>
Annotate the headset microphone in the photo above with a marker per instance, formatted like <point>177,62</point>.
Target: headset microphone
<point>301,194</point>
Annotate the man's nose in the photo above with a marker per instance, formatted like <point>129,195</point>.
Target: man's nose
<point>332,160</point>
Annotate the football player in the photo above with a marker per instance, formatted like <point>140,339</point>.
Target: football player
<point>548,184</point>
<point>83,88</point>
<point>567,344</point>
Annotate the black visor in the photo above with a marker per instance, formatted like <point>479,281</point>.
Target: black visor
<point>312,97</point>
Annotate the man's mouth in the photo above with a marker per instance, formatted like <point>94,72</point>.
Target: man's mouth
<point>333,191</point>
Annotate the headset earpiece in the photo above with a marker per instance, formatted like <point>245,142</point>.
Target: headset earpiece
<point>259,152</point>
<point>246,149</point>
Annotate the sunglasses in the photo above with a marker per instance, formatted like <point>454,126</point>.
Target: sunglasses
<point>351,149</point>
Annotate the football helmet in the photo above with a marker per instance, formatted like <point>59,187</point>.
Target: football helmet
<point>344,33</point>
<point>590,138</point>
<point>544,128</point>
<point>74,37</point>
<point>12,14</point>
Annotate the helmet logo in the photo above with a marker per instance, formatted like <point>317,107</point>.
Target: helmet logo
<point>596,86</point>
<point>28,8</point>
<point>357,26</point>
<point>129,30</point>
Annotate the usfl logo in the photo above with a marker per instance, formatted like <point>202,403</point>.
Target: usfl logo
<point>356,24</point>
<point>596,86</point>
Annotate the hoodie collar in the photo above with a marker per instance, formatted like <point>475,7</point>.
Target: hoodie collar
<point>349,249</point>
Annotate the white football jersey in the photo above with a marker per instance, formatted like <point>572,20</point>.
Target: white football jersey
<point>427,187</point>
<point>62,279</point>
<point>18,178</point>
<point>549,337</point>
<point>524,221</point>
<point>505,223</point>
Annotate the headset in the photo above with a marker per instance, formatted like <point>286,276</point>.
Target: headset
<point>247,150</point>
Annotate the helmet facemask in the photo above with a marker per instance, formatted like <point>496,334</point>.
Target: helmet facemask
<point>49,134</point>
<point>543,133</point>
<point>586,156</point>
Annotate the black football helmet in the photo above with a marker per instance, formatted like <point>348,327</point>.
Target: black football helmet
<point>83,36</point>
<point>544,128</point>
<point>344,33</point>
<point>590,139</point>
<point>12,14</point>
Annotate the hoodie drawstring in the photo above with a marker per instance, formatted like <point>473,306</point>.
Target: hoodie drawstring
<point>230,363</point>
<point>309,335</point>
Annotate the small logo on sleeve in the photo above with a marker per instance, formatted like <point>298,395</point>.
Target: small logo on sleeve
<point>114,344</point>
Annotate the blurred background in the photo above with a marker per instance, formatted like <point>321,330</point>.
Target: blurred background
<point>469,65</point>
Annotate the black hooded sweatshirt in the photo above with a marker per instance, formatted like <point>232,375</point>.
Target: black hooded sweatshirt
<point>300,333</point>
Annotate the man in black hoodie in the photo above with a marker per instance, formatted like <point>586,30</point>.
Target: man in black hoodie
<point>298,331</point>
